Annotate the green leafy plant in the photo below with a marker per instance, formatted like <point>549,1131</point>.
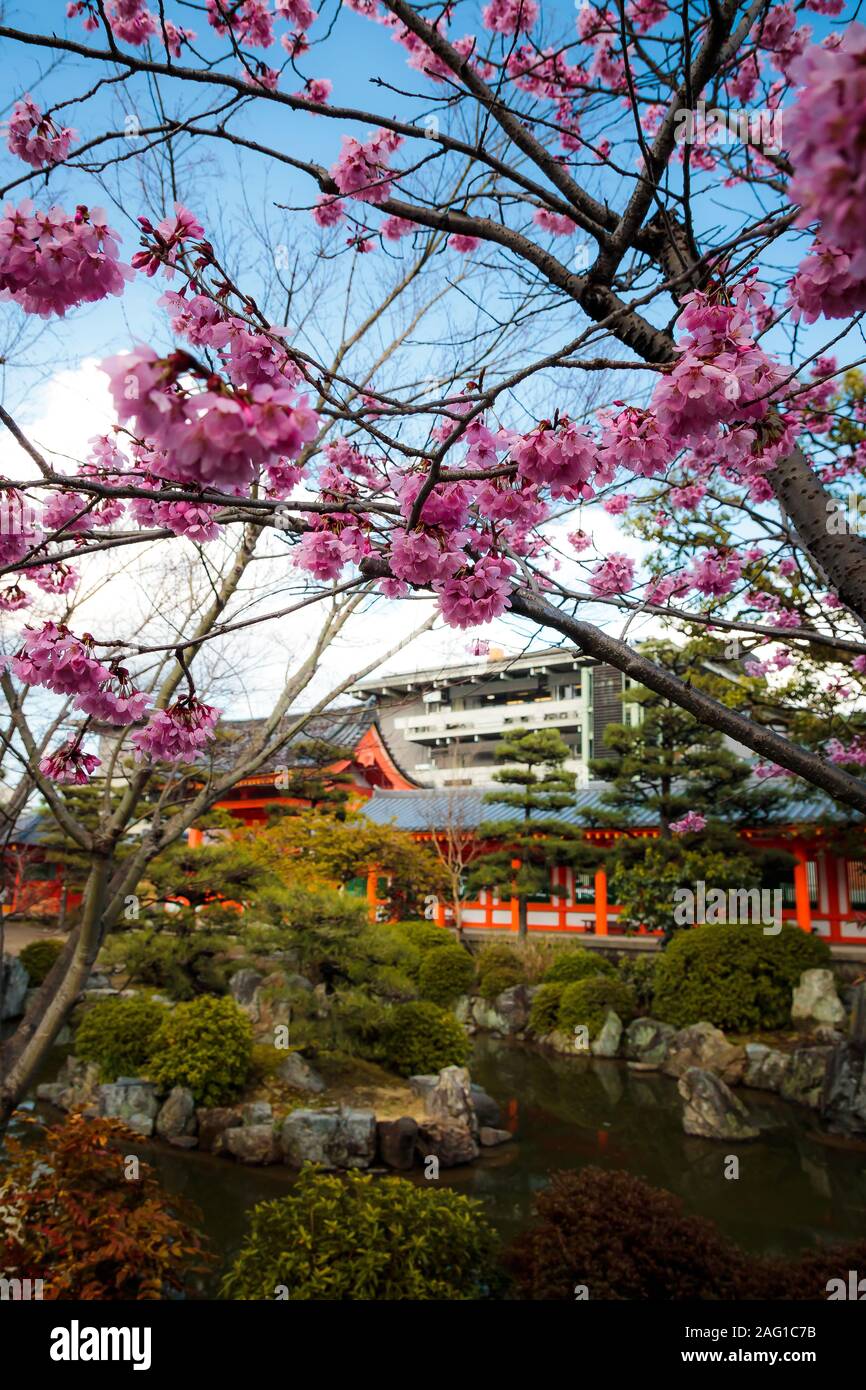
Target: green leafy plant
<point>38,957</point>
<point>733,975</point>
<point>588,1002</point>
<point>419,1037</point>
<point>639,972</point>
<point>499,978</point>
<point>119,1035</point>
<point>181,966</point>
<point>354,1237</point>
<point>577,965</point>
<point>544,1009</point>
<point>206,1045</point>
<point>445,975</point>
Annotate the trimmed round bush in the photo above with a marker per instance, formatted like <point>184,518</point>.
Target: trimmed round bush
<point>588,1001</point>
<point>119,1035</point>
<point>577,965</point>
<point>419,1038</point>
<point>445,975</point>
<point>423,935</point>
<point>734,976</point>
<point>499,978</point>
<point>38,958</point>
<point>206,1045</point>
<point>497,954</point>
<point>544,1009</point>
<point>355,1237</point>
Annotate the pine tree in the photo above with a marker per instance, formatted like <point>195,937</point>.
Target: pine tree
<point>315,780</point>
<point>662,765</point>
<point>536,785</point>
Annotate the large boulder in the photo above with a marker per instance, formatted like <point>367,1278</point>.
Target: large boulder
<point>449,1141</point>
<point>488,1110</point>
<point>253,1144</point>
<point>704,1046</point>
<point>131,1100</point>
<point>712,1111</point>
<point>176,1121</point>
<point>485,1016</point>
<point>805,1075</point>
<point>512,1006</point>
<point>257,1112</point>
<point>451,1098</point>
<point>395,1142</point>
<point>765,1067</point>
<point>843,1099</point>
<point>815,1002</point>
<point>243,987</point>
<point>648,1042</point>
<point>213,1122</point>
<point>337,1137</point>
<point>297,1073</point>
<point>607,1043</point>
<point>14,981</point>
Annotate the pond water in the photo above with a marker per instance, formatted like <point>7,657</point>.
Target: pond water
<point>796,1188</point>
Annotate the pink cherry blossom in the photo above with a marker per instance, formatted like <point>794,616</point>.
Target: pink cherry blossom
<point>510,16</point>
<point>35,138</point>
<point>615,575</point>
<point>177,734</point>
<point>51,262</point>
<point>691,822</point>
<point>69,763</point>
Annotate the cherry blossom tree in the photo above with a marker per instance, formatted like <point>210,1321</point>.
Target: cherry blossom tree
<point>655,213</point>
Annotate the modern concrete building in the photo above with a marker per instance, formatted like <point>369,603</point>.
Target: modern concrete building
<point>442,725</point>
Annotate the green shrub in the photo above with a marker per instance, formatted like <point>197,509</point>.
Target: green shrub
<point>445,975</point>
<point>38,958</point>
<point>577,965</point>
<point>544,1010</point>
<point>181,966</point>
<point>639,972</point>
<point>423,935</point>
<point>356,1237</point>
<point>119,1035</point>
<point>588,1001</point>
<point>500,967</point>
<point>499,978</point>
<point>206,1045</point>
<point>734,976</point>
<point>422,1038</point>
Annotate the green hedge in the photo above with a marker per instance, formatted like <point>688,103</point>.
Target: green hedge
<point>445,975</point>
<point>588,1002</point>
<point>38,958</point>
<point>119,1035</point>
<point>577,965</point>
<point>544,1010</point>
<point>734,976</point>
<point>419,1038</point>
<point>355,1237</point>
<point>206,1045</point>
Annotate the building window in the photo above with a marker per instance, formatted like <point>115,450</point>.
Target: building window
<point>857,883</point>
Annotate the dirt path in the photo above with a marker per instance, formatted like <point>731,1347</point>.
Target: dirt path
<point>17,935</point>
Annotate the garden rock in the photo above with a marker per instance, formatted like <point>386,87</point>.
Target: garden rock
<point>176,1119</point>
<point>512,1007</point>
<point>608,1040</point>
<point>712,1111</point>
<point>131,1100</point>
<point>487,1017</point>
<point>647,1041</point>
<point>243,987</point>
<point>451,1098</point>
<point>253,1144</point>
<point>448,1141</point>
<point>843,1098</point>
<point>765,1067</point>
<point>213,1122</point>
<point>297,1073</point>
<point>804,1078</point>
<point>395,1142</point>
<point>488,1137</point>
<point>816,1001</point>
<point>338,1137</point>
<point>486,1108</point>
<point>705,1046</point>
<point>257,1112</point>
<point>13,987</point>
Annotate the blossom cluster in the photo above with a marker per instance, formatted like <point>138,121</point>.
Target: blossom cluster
<point>35,138</point>
<point>53,261</point>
